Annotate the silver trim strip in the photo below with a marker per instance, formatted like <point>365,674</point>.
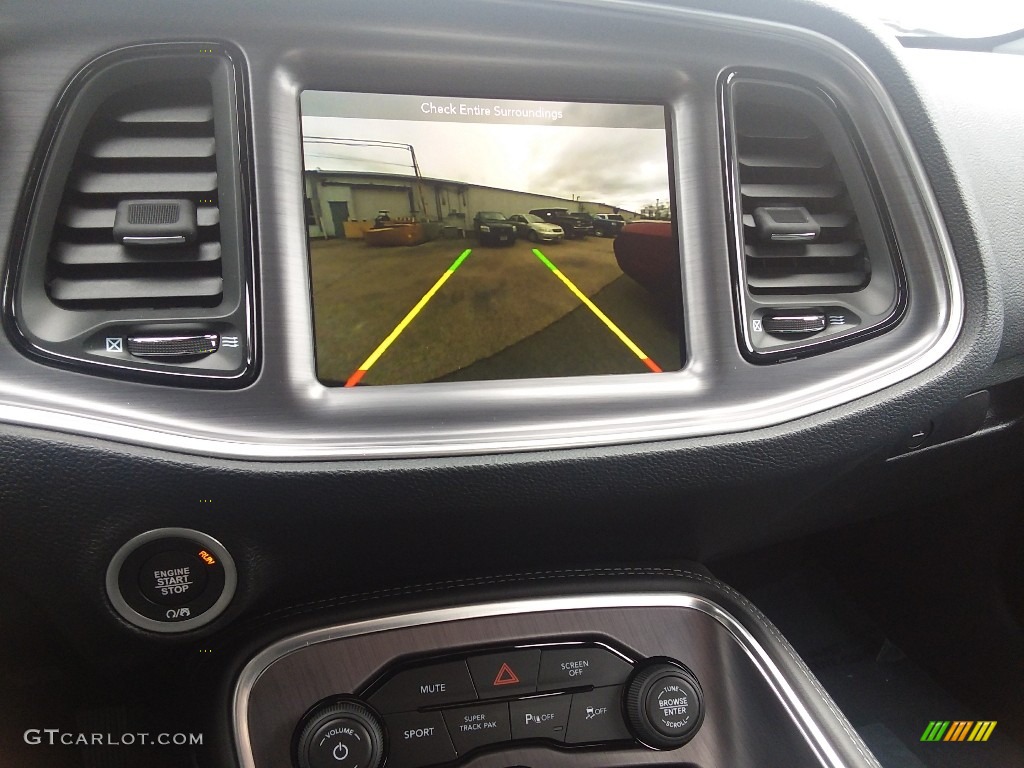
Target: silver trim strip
<point>153,240</point>
<point>802,237</point>
<point>809,727</point>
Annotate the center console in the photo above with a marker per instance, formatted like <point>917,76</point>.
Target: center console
<point>672,668</point>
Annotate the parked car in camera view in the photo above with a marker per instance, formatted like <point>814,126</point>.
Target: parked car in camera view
<point>607,224</point>
<point>573,227</point>
<point>493,228</point>
<point>537,230</point>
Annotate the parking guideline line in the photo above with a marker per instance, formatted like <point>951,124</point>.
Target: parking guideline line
<point>383,346</point>
<point>600,315</point>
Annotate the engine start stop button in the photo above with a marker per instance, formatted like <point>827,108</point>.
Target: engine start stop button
<point>173,578</point>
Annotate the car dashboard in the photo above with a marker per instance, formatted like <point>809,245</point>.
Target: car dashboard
<point>221,516</point>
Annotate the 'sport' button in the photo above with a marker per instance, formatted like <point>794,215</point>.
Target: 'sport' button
<point>417,740</point>
<point>173,578</point>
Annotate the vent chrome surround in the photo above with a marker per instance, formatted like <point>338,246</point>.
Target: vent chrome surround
<point>58,308</point>
<point>877,241</point>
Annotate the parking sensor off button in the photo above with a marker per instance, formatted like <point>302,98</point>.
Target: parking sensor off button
<point>173,578</point>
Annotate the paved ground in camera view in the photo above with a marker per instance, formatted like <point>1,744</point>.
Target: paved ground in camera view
<point>501,314</point>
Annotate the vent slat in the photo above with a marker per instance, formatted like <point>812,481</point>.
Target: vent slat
<point>93,254</point>
<point>133,147</point>
<point>128,184</point>
<point>761,192</point>
<point>814,158</point>
<point>808,282</point>
<point>135,289</point>
<point>80,217</point>
<point>846,250</point>
<point>175,113</point>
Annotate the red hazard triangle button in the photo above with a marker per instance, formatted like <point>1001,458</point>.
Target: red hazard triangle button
<point>505,676</point>
<point>508,673</point>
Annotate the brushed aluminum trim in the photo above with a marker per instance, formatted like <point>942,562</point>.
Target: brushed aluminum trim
<point>288,415</point>
<point>784,690</point>
<point>154,240</point>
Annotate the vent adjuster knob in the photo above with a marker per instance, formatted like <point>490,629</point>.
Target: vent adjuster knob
<point>150,223</point>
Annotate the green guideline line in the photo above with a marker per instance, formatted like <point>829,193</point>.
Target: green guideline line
<point>383,346</point>
<point>545,260</point>
<point>458,261</point>
<point>600,315</point>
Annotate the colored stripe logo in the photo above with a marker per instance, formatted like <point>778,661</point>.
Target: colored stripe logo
<point>959,730</point>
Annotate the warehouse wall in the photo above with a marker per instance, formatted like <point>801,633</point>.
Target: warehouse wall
<point>445,201</point>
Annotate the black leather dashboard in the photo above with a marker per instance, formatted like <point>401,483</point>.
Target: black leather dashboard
<point>311,527</point>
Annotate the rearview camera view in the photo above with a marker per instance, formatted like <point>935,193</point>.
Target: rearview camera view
<point>473,239</point>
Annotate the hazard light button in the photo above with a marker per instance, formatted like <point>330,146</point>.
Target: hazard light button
<point>511,673</point>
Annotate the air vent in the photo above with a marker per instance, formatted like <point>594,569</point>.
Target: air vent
<point>810,237</point>
<point>150,142</point>
<point>139,227</point>
<point>784,164</point>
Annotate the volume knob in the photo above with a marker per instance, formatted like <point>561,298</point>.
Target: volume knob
<point>664,704</point>
<point>344,734</point>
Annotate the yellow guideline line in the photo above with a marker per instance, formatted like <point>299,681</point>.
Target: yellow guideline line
<point>601,315</point>
<point>383,346</point>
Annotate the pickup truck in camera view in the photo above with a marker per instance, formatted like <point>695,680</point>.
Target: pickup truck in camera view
<point>607,224</point>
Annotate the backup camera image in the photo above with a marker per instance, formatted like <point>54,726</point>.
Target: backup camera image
<point>456,239</point>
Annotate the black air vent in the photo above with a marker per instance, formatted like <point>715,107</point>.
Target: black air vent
<point>139,222</point>
<point>810,238</point>
<point>152,141</point>
<point>785,162</point>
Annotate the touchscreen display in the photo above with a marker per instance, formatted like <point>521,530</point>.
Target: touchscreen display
<point>455,239</point>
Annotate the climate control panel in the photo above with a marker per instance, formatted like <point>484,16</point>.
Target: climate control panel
<point>436,711</point>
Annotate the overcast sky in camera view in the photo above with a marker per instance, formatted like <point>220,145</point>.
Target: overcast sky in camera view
<point>612,154</point>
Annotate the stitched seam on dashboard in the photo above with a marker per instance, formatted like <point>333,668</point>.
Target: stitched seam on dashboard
<point>752,610</point>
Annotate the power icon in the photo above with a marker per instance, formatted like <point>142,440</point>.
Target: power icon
<point>345,734</point>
